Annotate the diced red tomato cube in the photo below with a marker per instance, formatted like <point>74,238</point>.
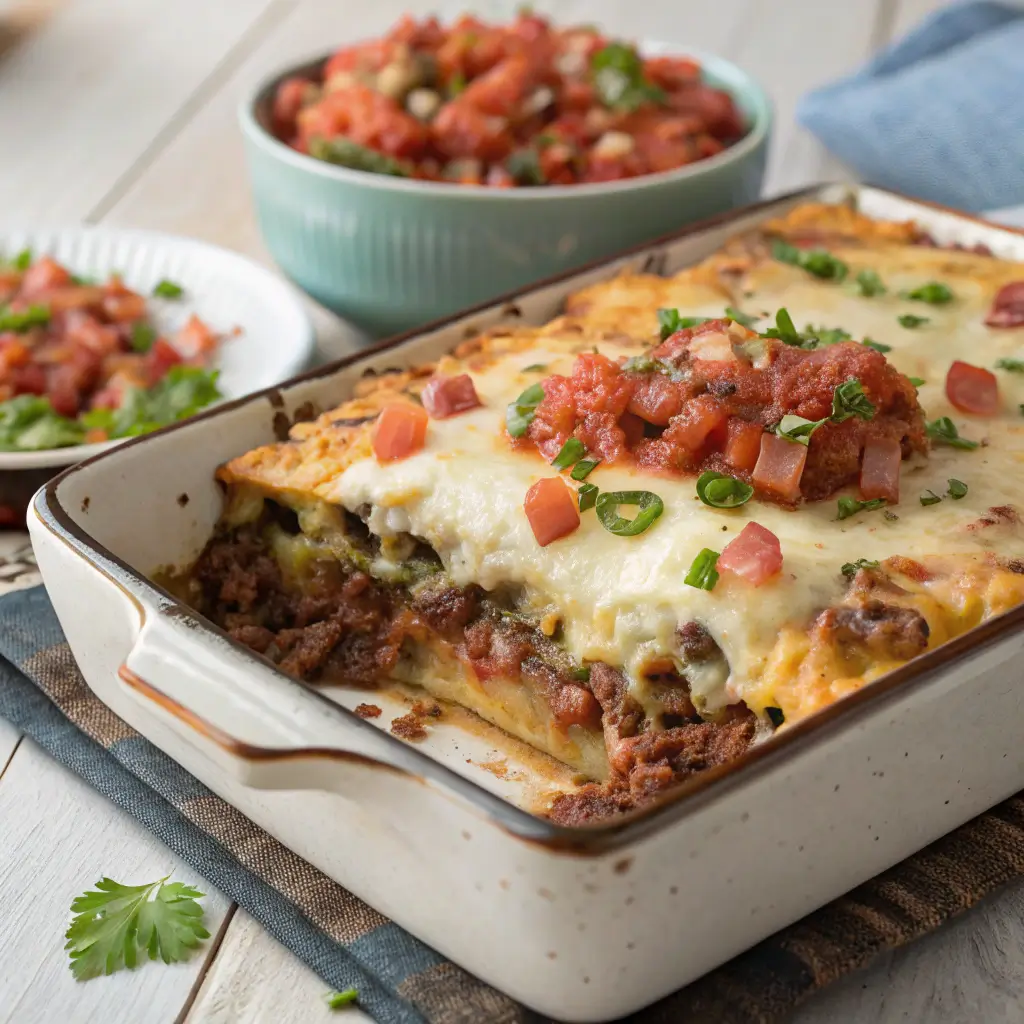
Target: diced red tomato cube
<point>160,358</point>
<point>880,470</point>
<point>400,431</point>
<point>780,464</point>
<point>691,429</point>
<point>744,444</point>
<point>448,396</point>
<point>656,399</point>
<point>551,509</point>
<point>44,274</point>
<point>755,554</point>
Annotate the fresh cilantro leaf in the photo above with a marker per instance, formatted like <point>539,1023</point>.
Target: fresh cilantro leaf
<point>876,345</point>
<point>743,319</point>
<point>935,293</point>
<point>1013,365</point>
<point>524,166</point>
<point>784,329</point>
<point>851,568</point>
<point>797,429</point>
<point>23,319</point>
<point>917,381</point>
<point>534,368</point>
<point>168,290</point>
<point>670,321</point>
<point>849,400</point>
<point>23,260</point>
<point>29,423</point>
<point>910,321</point>
<point>850,506</point>
<point>142,337</point>
<point>869,284</point>
<point>817,262</point>
<point>943,431</point>
<point>336,1000</point>
<point>619,80</point>
<point>113,924</point>
<point>826,336</point>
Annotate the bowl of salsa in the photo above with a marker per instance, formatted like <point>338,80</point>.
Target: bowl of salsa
<point>402,178</point>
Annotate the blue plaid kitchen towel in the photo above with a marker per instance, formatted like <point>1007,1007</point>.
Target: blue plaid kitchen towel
<point>939,114</point>
<point>400,980</point>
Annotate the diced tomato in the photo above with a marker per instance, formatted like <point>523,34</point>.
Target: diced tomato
<point>448,396</point>
<point>160,358</point>
<point>44,274</point>
<point>27,380</point>
<point>755,553</point>
<point>744,444</point>
<point>124,308</point>
<point>575,705</point>
<point>400,431</point>
<point>288,101</point>
<point>87,331</point>
<point>12,353</point>
<point>880,470</point>
<point>195,341</point>
<point>693,427</point>
<point>71,298</point>
<point>61,389</point>
<point>972,389</point>
<point>551,509</point>
<point>1008,306</point>
<point>633,428</point>
<point>460,130</point>
<point>780,464</point>
<point>656,399</point>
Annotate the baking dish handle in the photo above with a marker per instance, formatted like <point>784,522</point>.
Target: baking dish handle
<point>269,732</point>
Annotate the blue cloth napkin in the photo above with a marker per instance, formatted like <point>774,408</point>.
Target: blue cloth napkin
<point>938,115</point>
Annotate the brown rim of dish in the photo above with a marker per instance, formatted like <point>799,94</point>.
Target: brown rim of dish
<point>681,801</point>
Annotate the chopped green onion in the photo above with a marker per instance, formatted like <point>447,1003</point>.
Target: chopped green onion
<point>649,504</point>
<point>849,400</point>
<point>524,166</point>
<point>336,1000</point>
<point>930,498</point>
<point>957,488</point>
<point>1013,365</point>
<point>869,284</point>
<point>943,431</point>
<point>850,506</point>
<point>572,451</point>
<point>910,321</point>
<point>796,428</point>
<point>721,491</point>
<point>142,337</point>
<point>534,368</point>
<point>23,260</point>
<point>587,496</point>
<point>584,468</point>
<point>775,715</point>
<point>876,345</point>
<point>741,318</point>
<point>851,568</point>
<point>935,293</point>
<point>521,412</point>
<point>917,381</point>
<point>703,575</point>
<point>168,290</point>
<point>818,262</point>
<point>25,319</point>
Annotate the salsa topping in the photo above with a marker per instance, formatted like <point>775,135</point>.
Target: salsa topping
<point>84,362</point>
<point>522,104</point>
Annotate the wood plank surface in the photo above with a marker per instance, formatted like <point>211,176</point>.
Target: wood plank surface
<point>58,838</point>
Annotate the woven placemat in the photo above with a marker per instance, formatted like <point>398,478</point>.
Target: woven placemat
<point>399,978</point>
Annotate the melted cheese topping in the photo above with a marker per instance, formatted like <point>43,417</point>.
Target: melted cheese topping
<point>621,599</point>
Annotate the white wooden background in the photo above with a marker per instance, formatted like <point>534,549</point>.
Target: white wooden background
<point>123,111</point>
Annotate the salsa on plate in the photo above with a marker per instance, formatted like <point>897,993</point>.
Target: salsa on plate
<point>82,361</point>
<point>521,104</point>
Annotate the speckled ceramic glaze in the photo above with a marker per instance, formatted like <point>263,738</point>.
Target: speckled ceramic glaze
<point>389,254</point>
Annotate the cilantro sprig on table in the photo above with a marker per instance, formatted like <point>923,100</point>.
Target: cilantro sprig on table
<point>115,926</point>
<point>30,423</point>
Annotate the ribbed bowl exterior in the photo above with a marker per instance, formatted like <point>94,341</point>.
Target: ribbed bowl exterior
<point>390,255</point>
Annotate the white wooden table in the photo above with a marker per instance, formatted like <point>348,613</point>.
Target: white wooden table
<point>123,111</point>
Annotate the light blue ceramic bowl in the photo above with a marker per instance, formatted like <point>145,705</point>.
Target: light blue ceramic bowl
<point>389,254</point>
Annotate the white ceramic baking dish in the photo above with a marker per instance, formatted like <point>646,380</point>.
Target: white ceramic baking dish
<point>582,925</point>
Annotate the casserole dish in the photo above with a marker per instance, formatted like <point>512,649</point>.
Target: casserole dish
<point>597,922</point>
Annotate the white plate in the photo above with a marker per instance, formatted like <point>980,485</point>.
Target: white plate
<point>224,289</point>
